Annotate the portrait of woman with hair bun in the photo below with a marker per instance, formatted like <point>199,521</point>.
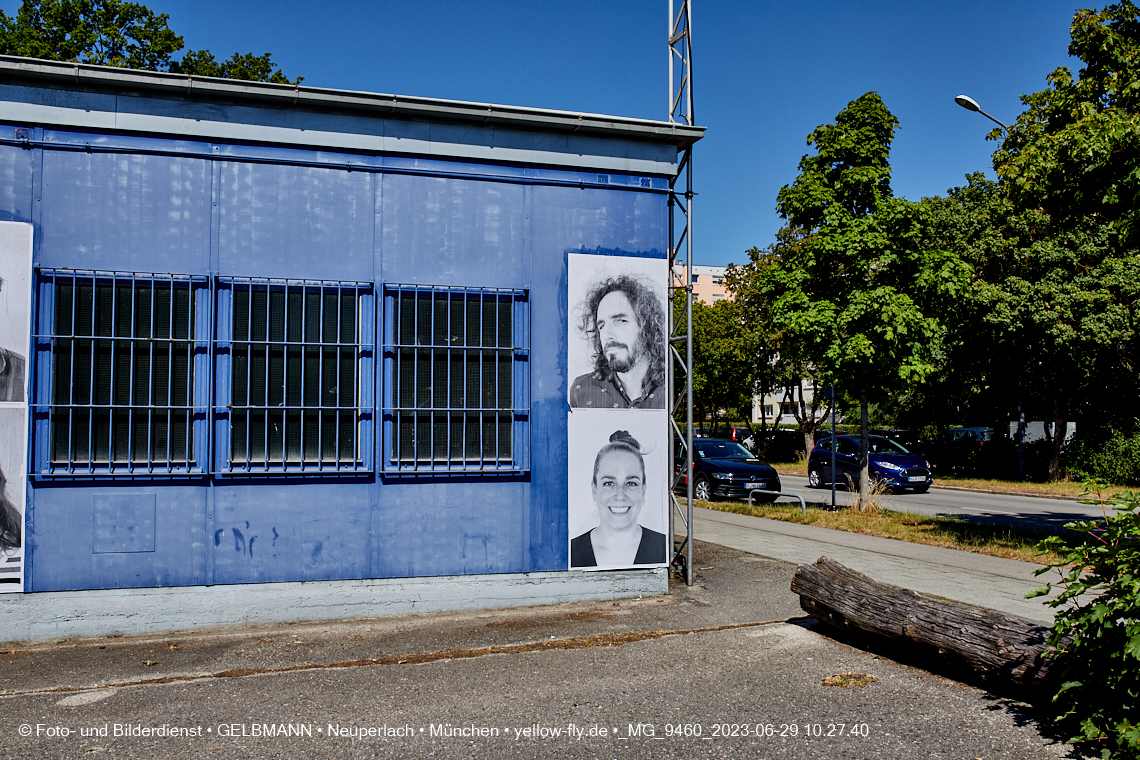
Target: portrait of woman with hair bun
<point>618,490</point>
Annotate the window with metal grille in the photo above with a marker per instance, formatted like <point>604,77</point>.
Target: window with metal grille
<point>122,353</point>
<point>299,362</point>
<point>455,372</point>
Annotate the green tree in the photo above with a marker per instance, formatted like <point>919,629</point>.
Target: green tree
<point>1075,152</point>
<point>780,358</point>
<point>1068,300</point>
<point>981,358</point>
<point>1071,167</point>
<point>101,32</point>
<point>854,285</point>
<point>722,361</point>
<point>1048,325</point>
<point>250,67</point>
<point>117,33</point>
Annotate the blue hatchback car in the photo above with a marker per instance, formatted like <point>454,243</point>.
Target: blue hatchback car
<point>890,463</point>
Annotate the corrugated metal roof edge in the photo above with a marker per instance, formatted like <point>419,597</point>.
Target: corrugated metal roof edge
<point>320,98</point>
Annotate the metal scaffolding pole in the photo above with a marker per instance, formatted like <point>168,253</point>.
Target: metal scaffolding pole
<point>681,332</point>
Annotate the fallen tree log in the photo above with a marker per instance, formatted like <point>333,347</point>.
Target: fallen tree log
<point>999,649</point>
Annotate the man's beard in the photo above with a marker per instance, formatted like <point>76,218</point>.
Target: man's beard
<point>623,361</point>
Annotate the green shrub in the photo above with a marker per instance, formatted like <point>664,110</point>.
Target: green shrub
<point>1097,627</point>
<point>1119,462</point>
<point>1107,456</point>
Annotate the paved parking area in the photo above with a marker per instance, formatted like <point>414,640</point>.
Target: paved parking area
<point>727,668</point>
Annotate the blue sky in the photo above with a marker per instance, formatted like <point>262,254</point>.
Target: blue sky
<point>765,74</point>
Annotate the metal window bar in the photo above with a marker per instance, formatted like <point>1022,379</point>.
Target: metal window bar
<point>295,396</point>
<point>109,411</point>
<point>453,400</point>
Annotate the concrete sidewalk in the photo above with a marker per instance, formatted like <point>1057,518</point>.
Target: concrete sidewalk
<point>986,581</point>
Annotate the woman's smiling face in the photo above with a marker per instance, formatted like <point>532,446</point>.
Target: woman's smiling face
<point>619,489</point>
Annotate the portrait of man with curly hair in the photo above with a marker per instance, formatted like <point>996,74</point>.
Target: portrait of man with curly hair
<point>623,320</point>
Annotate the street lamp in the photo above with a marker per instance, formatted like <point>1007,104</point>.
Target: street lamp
<point>972,105</point>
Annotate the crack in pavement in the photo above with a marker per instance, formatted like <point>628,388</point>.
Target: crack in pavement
<point>573,642</point>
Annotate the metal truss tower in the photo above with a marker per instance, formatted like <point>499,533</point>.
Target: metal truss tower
<point>680,277</point>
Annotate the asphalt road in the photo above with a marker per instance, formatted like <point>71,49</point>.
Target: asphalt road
<point>1030,512</point>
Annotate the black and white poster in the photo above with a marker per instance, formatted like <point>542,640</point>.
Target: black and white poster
<point>15,331</point>
<point>618,470</point>
<point>618,332</point>
<point>617,428</point>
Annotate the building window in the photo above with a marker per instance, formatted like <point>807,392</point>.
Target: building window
<point>696,278</point>
<point>717,280</point>
<point>123,358</point>
<point>717,297</point>
<point>295,376</point>
<point>455,380</point>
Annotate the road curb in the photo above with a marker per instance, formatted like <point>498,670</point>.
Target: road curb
<point>1010,493</point>
<point>981,490</point>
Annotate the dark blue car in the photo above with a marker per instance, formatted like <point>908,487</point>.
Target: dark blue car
<point>890,463</point>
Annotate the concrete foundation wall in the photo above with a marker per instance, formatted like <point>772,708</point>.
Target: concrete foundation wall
<point>70,614</point>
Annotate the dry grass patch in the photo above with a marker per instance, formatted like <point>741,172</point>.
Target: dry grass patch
<point>948,532</point>
<point>849,679</point>
<point>798,467</point>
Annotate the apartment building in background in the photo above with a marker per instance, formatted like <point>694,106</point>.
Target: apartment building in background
<point>707,282</point>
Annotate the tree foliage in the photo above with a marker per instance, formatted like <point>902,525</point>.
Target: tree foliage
<point>780,358</point>
<point>849,177</point>
<point>1071,166</point>
<point>247,66</point>
<point>1049,324</point>
<point>1048,319</point>
<point>851,291</point>
<point>122,34</point>
<point>100,32</point>
<point>977,359</point>
<point>854,284</point>
<point>1075,152</point>
<point>722,359</point>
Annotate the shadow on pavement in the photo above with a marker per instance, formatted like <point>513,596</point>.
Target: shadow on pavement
<point>1043,523</point>
<point>1029,707</point>
<point>1029,715</point>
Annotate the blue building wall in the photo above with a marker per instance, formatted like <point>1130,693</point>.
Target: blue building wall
<point>157,204</point>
